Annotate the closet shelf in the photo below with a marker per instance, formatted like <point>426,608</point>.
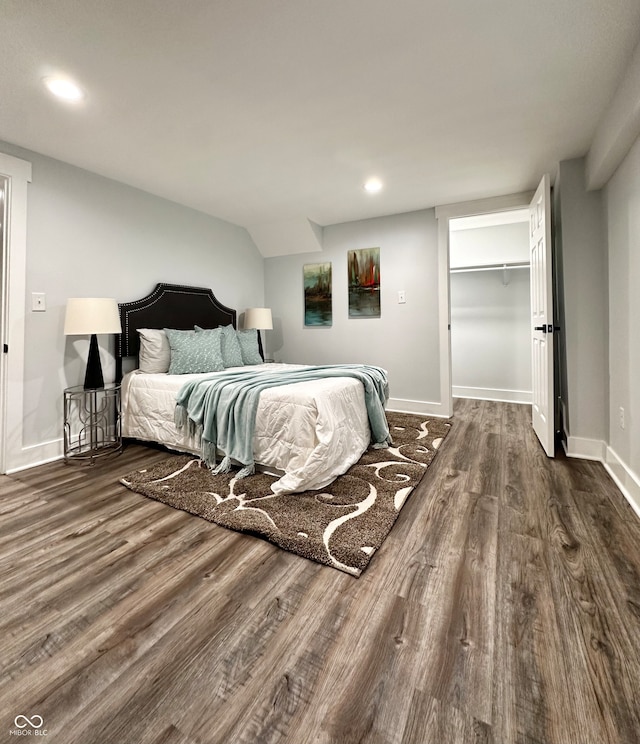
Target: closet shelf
<point>492,267</point>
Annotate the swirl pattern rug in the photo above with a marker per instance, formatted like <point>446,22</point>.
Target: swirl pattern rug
<point>341,525</point>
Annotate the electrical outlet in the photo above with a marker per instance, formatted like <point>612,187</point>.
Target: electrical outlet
<point>621,417</point>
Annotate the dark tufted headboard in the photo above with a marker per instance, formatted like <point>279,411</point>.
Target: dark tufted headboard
<point>168,306</point>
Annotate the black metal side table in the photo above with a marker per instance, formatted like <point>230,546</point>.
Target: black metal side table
<point>91,423</point>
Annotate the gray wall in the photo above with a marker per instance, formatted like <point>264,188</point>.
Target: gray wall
<point>622,199</point>
<point>89,236</point>
<point>404,340</point>
<point>488,245</point>
<point>580,227</point>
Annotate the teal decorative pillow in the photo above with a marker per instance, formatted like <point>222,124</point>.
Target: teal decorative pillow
<point>193,352</point>
<point>231,352</point>
<point>248,340</point>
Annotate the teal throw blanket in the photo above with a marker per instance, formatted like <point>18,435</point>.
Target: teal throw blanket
<point>223,407</point>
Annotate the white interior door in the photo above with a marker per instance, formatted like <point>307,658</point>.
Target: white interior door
<point>3,314</point>
<point>542,316</point>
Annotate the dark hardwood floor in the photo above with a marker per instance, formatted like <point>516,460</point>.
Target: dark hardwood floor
<point>503,607</point>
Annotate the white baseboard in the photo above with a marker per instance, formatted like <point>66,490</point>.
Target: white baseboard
<point>626,480</point>
<point>422,407</point>
<point>503,396</point>
<point>585,449</point>
<point>595,449</point>
<point>37,454</point>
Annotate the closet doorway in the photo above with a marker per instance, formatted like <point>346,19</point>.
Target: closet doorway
<point>490,306</point>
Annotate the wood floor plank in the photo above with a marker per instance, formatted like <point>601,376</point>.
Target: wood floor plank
<point>600,646</point>
<point>529,703</point>
<point>430,720</point>
<point>420,537</point>
<point>182,674</point>
<point>364,689</point>
<point>504,607</point>
<point>41,679</point>
<point>279,688</point>
<point>466,645</point>
<point>80,598</point>
<point>491,417</point>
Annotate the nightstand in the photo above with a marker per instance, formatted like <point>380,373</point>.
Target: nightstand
<point>91,423</point>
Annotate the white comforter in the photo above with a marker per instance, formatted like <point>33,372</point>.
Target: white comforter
<point>310,431</point>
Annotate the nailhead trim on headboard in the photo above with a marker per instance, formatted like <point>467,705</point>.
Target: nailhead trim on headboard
<point>168,306</point>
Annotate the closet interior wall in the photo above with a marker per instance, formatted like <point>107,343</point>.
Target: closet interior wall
<point>490,312</point>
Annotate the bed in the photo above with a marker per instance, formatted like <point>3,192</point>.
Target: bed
<point>307,432</point>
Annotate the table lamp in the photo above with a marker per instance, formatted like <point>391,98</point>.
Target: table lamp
<point>89,316</point>
<point>258,318</point>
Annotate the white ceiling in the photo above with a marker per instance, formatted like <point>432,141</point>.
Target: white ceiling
<point>275,111</point>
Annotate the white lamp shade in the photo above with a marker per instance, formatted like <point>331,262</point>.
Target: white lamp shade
<point>88,315</point>
<point>258,317</point>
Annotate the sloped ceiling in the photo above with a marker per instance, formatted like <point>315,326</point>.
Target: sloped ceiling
<point>272,113</point>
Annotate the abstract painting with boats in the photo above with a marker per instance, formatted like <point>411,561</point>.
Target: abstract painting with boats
<point>363,266</point>
<point>317,294</point>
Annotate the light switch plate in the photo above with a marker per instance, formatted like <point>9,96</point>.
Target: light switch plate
<point>38,302</point>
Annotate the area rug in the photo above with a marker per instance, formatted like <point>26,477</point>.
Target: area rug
<point>341,525</point>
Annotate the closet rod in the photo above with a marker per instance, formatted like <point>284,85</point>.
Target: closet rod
<point>493,267</point>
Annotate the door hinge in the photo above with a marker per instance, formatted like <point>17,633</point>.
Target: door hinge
<point>5,348</point>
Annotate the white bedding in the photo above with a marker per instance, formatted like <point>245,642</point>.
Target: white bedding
<point>311,431</point>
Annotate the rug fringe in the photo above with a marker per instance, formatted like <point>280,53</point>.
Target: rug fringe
<point>383,445</point>
<point>246,470</point>
<point>209,453</point>
<point>224,467</point>
<point>180,417</point>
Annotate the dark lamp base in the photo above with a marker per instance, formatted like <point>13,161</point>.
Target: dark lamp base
<point>93,378</point>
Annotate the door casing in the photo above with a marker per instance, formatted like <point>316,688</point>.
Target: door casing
<point>17,174</point>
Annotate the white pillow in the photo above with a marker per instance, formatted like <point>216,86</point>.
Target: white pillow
<point>155,353</point>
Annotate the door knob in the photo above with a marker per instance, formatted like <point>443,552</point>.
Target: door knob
<point>542,328</point>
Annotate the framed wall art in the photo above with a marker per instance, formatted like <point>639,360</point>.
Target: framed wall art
<point>318,310</point>
<point>363,267</point>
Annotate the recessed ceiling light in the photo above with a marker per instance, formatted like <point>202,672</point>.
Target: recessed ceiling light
<point>64,88</point>
<point>373,185</point>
